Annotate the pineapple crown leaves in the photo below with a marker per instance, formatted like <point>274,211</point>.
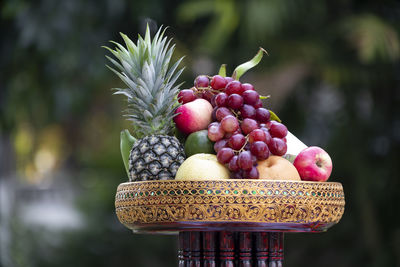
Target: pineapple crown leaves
<point>146,70</point>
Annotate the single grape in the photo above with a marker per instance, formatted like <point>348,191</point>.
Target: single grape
<point>250,97</point>
<point>224,155</point>
<point>218,82</point>
<point>258,104</point>
<point>233,164</point>
<point>248,125</point>
<point>237,141</point>
<point>254,159</point>
<point>207,95</point>
<point>257,135</point>
<point>215,132</point>
<point>247,86</point>
<point>229,135</point>
<point>260,150</point>
<point>213,104</point>
<point>186,95</point>
<point>220,144</point>
<point>277,146</point>
<point>235,101</point>
<point>238,131</point>
<point>234,87</point>
<point>213,114</point>
<point>214,123</point>
<point>268,137</point>
<point>244,160</point>
<point>228,80</point>
<point>251,174</point>
<point>222,112</point>
<point>229,124</point>
<point>277,129</point>
<point>262,115</point>
<point>237,174</point>
<point>201,81</point>
<point>221,99</point>
<point>248,111</point>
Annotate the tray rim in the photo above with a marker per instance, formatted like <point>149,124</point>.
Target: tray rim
<point>188,225</point>
<point>231,180</point>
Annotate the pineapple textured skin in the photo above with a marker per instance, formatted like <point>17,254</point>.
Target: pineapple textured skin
<point>155,157</point>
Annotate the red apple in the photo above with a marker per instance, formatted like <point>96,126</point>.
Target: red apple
<point>193,116</point>
<point>313,164</point>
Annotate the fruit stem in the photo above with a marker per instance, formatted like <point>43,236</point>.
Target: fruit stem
<point>318,161</point>
<point>242,148</point>
<point>236,114</point>
<point>202,89</point>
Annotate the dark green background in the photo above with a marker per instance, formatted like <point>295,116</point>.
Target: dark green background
<point>332,72</point>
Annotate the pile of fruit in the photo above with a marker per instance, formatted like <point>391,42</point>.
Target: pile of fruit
<point>218,129</point>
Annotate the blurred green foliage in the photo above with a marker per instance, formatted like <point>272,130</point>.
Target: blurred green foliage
<point>332,71</point>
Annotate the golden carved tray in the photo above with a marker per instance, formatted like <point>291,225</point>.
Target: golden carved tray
<point>230,205</point>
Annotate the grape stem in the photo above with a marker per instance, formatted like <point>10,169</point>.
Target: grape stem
<point>242,148</point>
<point>245,143</point>
<point>202,89</point>
<point>236,114</point>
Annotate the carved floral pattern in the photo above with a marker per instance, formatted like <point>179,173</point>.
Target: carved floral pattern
<point>254,201</point>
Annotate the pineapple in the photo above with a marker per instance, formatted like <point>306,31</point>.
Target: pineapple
<point>151,92</point>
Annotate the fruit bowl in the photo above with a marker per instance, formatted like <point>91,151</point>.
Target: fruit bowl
<point>229,205</point>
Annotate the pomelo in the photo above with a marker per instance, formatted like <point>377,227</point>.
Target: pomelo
<point>202,167</point>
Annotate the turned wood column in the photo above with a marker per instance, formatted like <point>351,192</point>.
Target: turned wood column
<point>230,249</point>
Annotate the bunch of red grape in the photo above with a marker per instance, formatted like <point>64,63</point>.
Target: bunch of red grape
<point>242,130</point>
<point>203,89</point>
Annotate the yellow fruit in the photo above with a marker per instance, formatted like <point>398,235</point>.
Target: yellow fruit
<point>277,168</point>
<point>202,167</point>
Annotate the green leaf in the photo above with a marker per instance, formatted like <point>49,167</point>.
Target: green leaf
<point>241,69</point>
<point>178,134</point>
<point>224,20</point>
<point>129,44</point>
<point>373,38</point>
<point>289,157</point>
<point>264,97</point>
<point>274,116</point>
<point>126,143</point>
<point>222,70</point>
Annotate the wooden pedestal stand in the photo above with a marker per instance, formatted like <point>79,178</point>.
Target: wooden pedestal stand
<point>229,222</point>
<point>245,249</point>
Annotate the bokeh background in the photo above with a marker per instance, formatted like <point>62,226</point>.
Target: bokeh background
<point>333,74</point>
